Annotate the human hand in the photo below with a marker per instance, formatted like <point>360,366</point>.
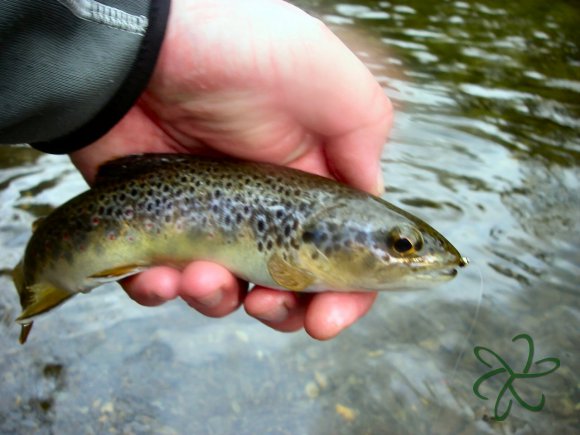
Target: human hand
<point>263,81</point>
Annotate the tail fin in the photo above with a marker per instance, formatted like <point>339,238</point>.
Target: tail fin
<point>35,299</point>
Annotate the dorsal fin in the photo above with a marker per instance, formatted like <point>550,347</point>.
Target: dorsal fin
<point>132,165</point>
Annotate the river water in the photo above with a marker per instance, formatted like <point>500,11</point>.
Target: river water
<point>486,147</point>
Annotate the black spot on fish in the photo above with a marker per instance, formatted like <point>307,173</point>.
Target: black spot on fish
<point>269,245</point>
<point>308,236</point>
<point>261,225</point>
<point>287,230</point>
<point>361,237</point>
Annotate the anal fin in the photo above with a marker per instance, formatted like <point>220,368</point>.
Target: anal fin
<point>117,273</point>
<point>39,298</point>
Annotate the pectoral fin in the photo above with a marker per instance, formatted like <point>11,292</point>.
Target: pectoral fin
<point>287,275</point>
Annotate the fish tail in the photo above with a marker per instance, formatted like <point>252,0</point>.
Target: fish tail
<point>35,299</point>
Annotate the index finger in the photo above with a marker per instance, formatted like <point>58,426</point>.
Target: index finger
<point>354,157</point>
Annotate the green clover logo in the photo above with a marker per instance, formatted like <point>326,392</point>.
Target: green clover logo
<point>509,385</point>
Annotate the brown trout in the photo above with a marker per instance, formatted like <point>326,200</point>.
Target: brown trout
<point>269,225</point>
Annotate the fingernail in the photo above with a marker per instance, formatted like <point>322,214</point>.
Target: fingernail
<point>276,315</point>
<point>211,300</point>
<point>380,181</point>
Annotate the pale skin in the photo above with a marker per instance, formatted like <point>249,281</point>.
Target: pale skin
<point>264,81</point>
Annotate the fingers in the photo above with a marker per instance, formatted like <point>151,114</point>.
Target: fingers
<point>330,313</point>
<point>354,116</point>
<point>280,310</point>
<point>323,315</point>
<point>211,289</point>
<point>207,287</point>
<point>341,103</point>
<point>354,157</point>
<point>154,286</point>
<point>215,292</point>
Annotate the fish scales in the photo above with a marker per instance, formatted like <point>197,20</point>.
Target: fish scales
<point>270,225</point>
<point>195,197</point>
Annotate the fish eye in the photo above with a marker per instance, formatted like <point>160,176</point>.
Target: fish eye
<point>405,240</point>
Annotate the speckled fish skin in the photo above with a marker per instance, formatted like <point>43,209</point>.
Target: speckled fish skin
<point>269,225</point>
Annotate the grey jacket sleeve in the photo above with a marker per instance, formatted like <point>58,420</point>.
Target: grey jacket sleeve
<point>71,69</point>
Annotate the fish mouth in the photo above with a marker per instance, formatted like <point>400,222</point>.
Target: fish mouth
<point>444,274</point>
<point>445,271</point>
<point>449,272</point>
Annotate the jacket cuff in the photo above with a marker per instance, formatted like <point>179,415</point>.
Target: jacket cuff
<point>129,91</point>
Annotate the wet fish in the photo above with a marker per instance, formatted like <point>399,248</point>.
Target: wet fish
<point>269,225</point>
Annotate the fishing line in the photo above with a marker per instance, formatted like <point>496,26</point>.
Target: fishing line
<point>473,322</point>
<point>470,331</point>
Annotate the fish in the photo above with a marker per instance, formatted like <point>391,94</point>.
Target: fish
<point>269,225</point>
